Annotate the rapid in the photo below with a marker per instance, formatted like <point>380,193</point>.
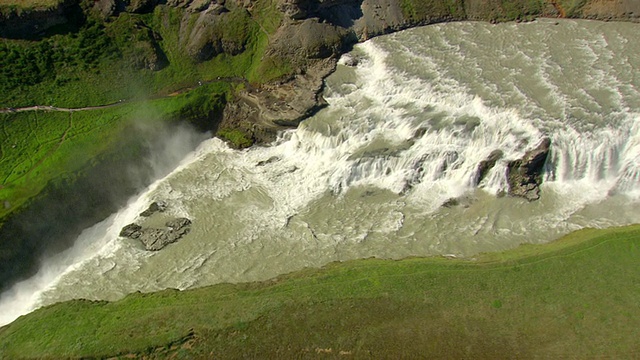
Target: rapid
<point>410,117</point>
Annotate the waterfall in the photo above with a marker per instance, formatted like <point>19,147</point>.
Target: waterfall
<point>391,167</point>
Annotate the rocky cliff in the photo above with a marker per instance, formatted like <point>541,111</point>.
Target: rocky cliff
<point>304,40</point>
<point>313,33</point>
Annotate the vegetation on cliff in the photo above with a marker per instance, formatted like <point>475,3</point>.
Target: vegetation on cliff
<point>130,58</point>
<point>29,4</point>
<point>571,298</point>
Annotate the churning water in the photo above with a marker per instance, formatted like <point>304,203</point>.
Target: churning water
<point>404,132</point>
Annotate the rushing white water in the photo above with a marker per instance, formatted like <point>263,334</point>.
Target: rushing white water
<point>404,132</point>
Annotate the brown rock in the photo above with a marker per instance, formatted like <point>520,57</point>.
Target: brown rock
<point>525,175</point>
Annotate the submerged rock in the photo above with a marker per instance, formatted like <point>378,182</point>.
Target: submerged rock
<point>131,231</point>
<point>487,164</point>
<point>525,175</point>
<point>464,201</point>
<point>268,161</point>
<point>156,206</point>
<point>178,224</point>
<point>155,239</point>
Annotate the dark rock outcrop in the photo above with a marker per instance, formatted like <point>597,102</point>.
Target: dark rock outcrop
<point>487,164</point>
<point>178,224</point>
<point>33,23</point>
<point>105,8</point>
<point>210,32</point>
<point>525,175</point>
<point>341,13</point>
<point>141,6</point>
<point>132,231</point>
<point>156,206</point>
<point>464,201</point>
<point>155,239</point>
<point>262,112</point>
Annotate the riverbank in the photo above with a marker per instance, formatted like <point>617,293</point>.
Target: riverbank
<point>569,298</point>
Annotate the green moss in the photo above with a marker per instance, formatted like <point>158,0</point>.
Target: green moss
<point>235,137</point>
<point>424,10</point>
<point>513,10</point>
<point>572,8</point>
<point>57,144</point>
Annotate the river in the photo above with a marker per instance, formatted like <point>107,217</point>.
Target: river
<point>410,117</point>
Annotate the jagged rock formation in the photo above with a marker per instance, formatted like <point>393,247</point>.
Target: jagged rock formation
<point>156,239</point>
<point>525,175</point>
<point>156,206</point>
<point>141,6</point>
<point>145,52</point>
<point>487,164</point>
<point>209,29</point>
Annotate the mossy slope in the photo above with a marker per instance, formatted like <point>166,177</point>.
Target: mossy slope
<point>577,297</point>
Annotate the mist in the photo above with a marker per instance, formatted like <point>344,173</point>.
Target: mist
<point>72,219</point>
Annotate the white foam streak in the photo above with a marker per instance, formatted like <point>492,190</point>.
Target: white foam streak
<point>383,145</point>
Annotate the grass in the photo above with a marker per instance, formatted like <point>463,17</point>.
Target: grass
<point>572,7</point>
<point>504,10</point>
<point>38,147</point>
<point>41,146</point>
<point>236,138</point>
<point>30,4</point>
<point>574,298</point>
<point>93,67</point>
<point>421,10</point>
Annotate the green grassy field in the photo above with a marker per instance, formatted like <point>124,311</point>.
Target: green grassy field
<point>574,298</point>
<point>420,10</point>
<point>37,147</point>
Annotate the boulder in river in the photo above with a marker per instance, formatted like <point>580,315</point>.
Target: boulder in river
<point>525,175</point>
<point>178,224</point>
<point>487,164</point>
<point>156,206</point>
<point>464,201</point>
<point>155,239</point>
<point>131,231</point>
